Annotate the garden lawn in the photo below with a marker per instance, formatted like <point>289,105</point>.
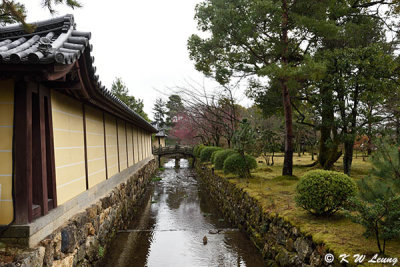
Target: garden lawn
<point>276,194</point>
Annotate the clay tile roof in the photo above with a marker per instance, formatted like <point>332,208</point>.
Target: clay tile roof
<point>55,41</point>
<point>161,133</point>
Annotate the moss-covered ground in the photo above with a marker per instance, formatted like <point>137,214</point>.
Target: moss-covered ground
<point>276,194</point>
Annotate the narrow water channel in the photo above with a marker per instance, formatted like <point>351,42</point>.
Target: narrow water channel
<point>174,219</point>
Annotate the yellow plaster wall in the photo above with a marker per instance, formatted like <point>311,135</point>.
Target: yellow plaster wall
<point>111,141</point>
<point>68,146</point>
<point>143,146</point>
<point>6,130</point>
<point>130,144</point>
<point>146,143</point>
<point>149,144</point>
<point>140,145</point>
<point>162,141</point>
<point>123,160</point>
<point>135,144</point>
<point>155,142</point>
<point>95,146</point>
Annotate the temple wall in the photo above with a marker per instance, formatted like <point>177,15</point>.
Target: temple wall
<point>123,160</point>
<point>69,147</point>
<point>95,146</point>
<point>6,132</point>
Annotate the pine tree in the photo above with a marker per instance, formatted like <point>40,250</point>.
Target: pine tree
<point>120,90</point>
<point>243,141</point>
<point>268,40</point>
<point>377,207</point>
<point>159,112</point>
<point>12,11</point>
<point>174,106</point>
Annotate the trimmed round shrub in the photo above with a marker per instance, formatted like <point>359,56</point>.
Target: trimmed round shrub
<point>236,164</point>
<point>205,154</point>
<point>220,156</point>
<point>324,192</point>
<point>213,156</point>
<point>197,150</point>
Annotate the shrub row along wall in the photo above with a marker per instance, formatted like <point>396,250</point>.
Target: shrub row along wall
<point>83,240</point>
<point>281,243</point>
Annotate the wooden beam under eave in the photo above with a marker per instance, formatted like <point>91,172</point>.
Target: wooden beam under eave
<point>60,72</point>
<point>83,88</point>
<point>74,86</point>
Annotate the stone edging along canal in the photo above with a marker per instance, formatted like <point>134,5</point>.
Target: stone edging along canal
<point>83,239</point>
<point>280,243</point>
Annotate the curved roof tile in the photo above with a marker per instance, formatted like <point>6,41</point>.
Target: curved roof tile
<point>54,41</point>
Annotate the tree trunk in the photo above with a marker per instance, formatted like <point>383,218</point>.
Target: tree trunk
<point>247,169</point>
<point>299,150</point>
<point>312,153</point>
<point>328,148</point>
<point>272,159</point>
<point>288,160</point>
<point>369,148</point>
<point>348,156</point>
<point>398,133</point>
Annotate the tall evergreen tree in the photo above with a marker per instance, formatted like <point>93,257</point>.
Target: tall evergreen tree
<point>120,90</point>
<point>159,111</point>
<point>174,106</point>
<point>269,39</point>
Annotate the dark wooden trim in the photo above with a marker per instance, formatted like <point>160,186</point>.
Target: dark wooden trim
<point>51,165</point>
<point>85,146</point>
<point>105,144</point>
<point>23,153</point>
<point>126,142</point>
<point>60,72</point>
<point>64,85</point>
<point>116,123</point>
<point>43,162</point>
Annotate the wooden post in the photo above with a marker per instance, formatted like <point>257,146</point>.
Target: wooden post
<point>51,165</point>
<point>23,153</point>
<point>43,163</point>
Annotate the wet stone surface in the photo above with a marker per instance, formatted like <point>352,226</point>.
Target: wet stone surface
<point>180,226</point>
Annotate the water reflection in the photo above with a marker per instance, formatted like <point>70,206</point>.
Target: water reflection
<point>175,217</point>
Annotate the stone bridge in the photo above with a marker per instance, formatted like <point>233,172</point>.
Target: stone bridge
<point>176,152</point>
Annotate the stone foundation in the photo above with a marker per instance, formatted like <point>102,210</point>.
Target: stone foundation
<point>84,238</point>
<point>281,243</point>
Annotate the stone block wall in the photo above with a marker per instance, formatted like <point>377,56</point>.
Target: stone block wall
<point>83,240</point>
<point>281,243</point>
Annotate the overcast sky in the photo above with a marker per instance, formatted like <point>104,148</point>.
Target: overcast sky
<point>143,42</point>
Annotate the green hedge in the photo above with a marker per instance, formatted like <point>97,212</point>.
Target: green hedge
<point>324,192</point>
<point>236,164</point>
<point>220,156</point>
<point>213,156</point>
<point>206,152</point>
<point>197,150</point>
